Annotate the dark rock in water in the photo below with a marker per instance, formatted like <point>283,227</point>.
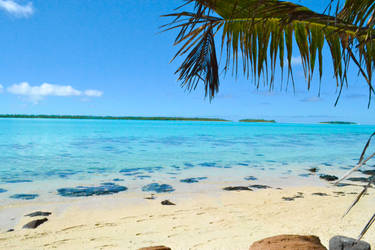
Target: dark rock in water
<point>208,164</point>
<point>320,194</point>
<point>345,243</point>
<point>290,242</point>
<point>158,188</point>
<point>3,190</point>
<point>259,186</point>
<point>80,191</point>
<point>359,179</point>
<point>242,164</point>
<point>187,164</point>
<point>327,164</point>
<point>24,196</point>
<point>35,223</point>
<point>368,172</point>
<point>314,170</point>
<point>38,213</point>
<point>250,178</point>
<point>328,177</point>
<point>304,175</point>
<point>167,203</point>
<point>259,154</point>
<point>237,188</point>
<point>10,230</point>
<point>143,176</point>
<point>117,179</point>
<point>343,185</point>
<point>193,180</point>
<point>155,248</point>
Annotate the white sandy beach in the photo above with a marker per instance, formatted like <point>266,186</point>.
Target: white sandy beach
<point>221,220</point>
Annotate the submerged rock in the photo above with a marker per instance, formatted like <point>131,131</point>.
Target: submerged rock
<point>24,196</point>
<point>328,177</point>
<point>359,179</point>
<point>80,191</point>
<point>345,243</point>
<point>158,188</point>
<point>118,179</point>
<point>38,213</point>
<point>35,223</point>
<point>167,203</point>
<point>291,242</point>
<point>193,180</point>
<point>368,172</point>
<point>208,164</point>
<point>3,190</point>
<point>314,170</point>
<point>250,178</point>
<point>237,188</point>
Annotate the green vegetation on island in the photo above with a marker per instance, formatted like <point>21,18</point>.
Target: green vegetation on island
<point>257,120</point>
<point>87,117</point>
<point>339,122</point>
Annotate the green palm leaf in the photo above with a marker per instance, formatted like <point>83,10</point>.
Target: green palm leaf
<point>258,34</point>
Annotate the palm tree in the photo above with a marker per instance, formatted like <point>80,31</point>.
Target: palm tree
<point>259,36</point>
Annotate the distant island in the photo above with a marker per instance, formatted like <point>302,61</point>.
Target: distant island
<point>257,120</point>
<point>339,122</point>
<point>112,118</point>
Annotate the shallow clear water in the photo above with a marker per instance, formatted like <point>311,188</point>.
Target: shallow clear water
<point>39,156</point>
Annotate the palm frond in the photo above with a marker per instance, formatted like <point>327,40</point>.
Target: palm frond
<point>257,34</point>
<point>367,227</point>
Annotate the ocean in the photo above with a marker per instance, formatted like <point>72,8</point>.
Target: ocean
<point>40,156</point>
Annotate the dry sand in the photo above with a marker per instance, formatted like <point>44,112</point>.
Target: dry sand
<point>221,220</point>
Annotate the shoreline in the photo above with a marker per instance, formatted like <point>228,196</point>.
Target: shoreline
<point>212,220</point>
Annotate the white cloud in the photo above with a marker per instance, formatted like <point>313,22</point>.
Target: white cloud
<point>1,88</point>
<point>37,93</point>
<point>16,9</point>
<point>93,93</point>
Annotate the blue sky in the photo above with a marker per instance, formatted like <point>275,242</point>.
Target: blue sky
<point>98,57</point>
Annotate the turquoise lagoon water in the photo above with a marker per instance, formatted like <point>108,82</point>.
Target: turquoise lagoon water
<point>38,156</point>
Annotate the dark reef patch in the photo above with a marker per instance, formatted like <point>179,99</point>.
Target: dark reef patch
<point>15,181</point>
<point>304,175</point>
<point>250,178</point>
<point>118,179</point>
<point>103,189</point>
<point>328,177</point>
<point>158,188</point>
<point>193,180</point>
<point>24,196</point>
<point>2,190</point>
<point>208,164</point>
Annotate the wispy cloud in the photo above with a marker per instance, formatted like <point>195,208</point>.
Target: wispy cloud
<point>1,88</point>
<point>37,93</point>
<point>16,9</point>
<point>93,93</point>
<point>312,99</point>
